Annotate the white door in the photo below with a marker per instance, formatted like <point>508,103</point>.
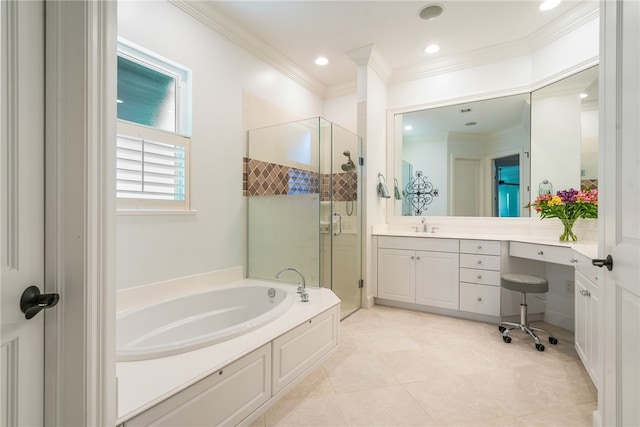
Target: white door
<point>467,199</point>
<point>620,205</point>
<point>22,214</point>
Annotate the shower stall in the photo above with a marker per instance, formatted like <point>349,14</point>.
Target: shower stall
<point>301,180</point>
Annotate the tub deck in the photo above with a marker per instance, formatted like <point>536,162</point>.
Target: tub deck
<point>143,384</point>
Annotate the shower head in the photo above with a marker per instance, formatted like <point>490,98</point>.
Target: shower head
<point>349,166</point>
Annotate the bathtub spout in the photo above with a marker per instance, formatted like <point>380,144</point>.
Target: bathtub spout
<point>304,296</point>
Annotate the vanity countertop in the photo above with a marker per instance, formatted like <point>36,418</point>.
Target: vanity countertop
<point>586,248</point>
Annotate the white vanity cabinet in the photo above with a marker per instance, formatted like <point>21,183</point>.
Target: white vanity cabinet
<point>421,270</point>
<point>480,262</point>
<point>586,316</point>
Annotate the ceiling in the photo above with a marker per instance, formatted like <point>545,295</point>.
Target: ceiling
<point>293,33</point>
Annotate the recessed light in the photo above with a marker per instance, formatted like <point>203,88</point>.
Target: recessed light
<point>430,12</point>
<point>432,48</point>
<point>549,4</point>
<point>321,60</point>
<point>408,127</point>
<point>583,95</point>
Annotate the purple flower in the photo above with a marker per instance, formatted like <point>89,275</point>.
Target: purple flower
<point>568,196</point>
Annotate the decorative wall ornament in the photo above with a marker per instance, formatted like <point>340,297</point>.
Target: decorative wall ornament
<point>419,193</point>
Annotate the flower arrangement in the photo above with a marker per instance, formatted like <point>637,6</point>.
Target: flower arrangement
<point>568,206</point>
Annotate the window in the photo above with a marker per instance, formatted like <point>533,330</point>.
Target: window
<point>152,155</point>
<point>152,168</point>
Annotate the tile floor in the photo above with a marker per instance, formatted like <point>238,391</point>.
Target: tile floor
<point>403,368</point>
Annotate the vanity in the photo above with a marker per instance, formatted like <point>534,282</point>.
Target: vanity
<point>458,274</point>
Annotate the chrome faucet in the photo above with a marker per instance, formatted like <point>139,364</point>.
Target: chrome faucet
<point>424,225</point>
<point>302,286</point>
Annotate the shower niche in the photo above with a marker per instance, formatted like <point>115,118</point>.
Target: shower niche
<point>302,183</point>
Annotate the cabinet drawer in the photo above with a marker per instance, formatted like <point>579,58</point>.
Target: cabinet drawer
<point>546,253</point>
<point>482,262</point>
<point>419,243</point>
<point>480,247</point>
<point>588,270</point>
<point>480,299</point>
<point>482,277</point>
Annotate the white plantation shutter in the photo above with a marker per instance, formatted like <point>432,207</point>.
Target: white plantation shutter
<point>152,168</point>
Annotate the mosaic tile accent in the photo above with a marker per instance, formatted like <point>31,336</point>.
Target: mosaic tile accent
<point>269,179</point>
<point>591,184</point>
<point>345,187</point>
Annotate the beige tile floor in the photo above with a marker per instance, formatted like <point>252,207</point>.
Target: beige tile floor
<point>402,368</point>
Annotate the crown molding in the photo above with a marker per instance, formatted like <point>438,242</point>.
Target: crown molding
<point>209,15</point>
<point>370,55</point>
<point>212,17</point>
<point>575,18</point>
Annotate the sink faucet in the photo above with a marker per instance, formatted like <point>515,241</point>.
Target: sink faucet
<point>302,287</point>
<point>424,225</point>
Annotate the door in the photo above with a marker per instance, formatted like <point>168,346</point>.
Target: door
<point>346,219</point>
<point>619,206</point>
<point>22,215</point>
<point>467,199</point>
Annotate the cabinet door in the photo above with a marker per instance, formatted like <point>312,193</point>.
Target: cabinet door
<point>586,326</point>
<point>437,279</point>
<point>581,319</point>
<point>396,275</point>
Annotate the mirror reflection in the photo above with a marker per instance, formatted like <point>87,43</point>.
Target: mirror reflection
<point>468,159</point>
<point>492,157</point>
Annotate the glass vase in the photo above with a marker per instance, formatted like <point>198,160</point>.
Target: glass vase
<point>567,233</point>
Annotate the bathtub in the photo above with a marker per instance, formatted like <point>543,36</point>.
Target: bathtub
<point>194,321</point>
<point>149,383</point>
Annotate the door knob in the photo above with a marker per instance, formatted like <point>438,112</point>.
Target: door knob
<point>607,262</point>
<point>32,301</point>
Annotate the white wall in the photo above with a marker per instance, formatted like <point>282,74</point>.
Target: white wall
<point>153,248</point>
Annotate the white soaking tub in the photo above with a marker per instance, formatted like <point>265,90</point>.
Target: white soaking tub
<point>195,321</point>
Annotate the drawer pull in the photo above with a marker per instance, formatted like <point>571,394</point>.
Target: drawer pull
<point>417,257</point>
<point>412,257</point>
<point>540,253</point>
<point>479,261</point>
<point>573,260</point>
<point>479,246</point>
<point>479,276</point>
<point>479,299</point>
<point>585,293</point>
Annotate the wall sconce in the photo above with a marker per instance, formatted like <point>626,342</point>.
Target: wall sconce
<point>383,191</point>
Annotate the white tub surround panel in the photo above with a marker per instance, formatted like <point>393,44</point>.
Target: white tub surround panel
<point>144,384</point>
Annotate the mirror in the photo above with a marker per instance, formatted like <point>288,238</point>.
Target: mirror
<point>481,158</point>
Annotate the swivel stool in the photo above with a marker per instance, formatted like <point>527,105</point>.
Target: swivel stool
<point>525,283</point>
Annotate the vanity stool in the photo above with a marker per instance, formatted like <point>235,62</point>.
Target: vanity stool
<point>524,283</point>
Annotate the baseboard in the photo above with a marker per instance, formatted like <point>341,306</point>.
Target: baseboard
<point>559,319</point>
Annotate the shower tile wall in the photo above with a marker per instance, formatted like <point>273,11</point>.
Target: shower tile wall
<point>268,179</point>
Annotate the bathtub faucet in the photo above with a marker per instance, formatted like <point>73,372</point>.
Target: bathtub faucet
<point>302,287</point>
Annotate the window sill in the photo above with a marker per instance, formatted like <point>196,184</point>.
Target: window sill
<point>136,212</point>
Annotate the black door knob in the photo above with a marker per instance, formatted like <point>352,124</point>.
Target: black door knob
<point>32,301</point>
<point>607,262</point>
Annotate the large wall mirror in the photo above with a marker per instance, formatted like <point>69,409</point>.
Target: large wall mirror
<point>491,157</point>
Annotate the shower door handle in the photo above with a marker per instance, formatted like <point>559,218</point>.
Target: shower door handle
<point>339,231</point>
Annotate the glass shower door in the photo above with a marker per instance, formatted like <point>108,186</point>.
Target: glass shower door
<point>345,213</point>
